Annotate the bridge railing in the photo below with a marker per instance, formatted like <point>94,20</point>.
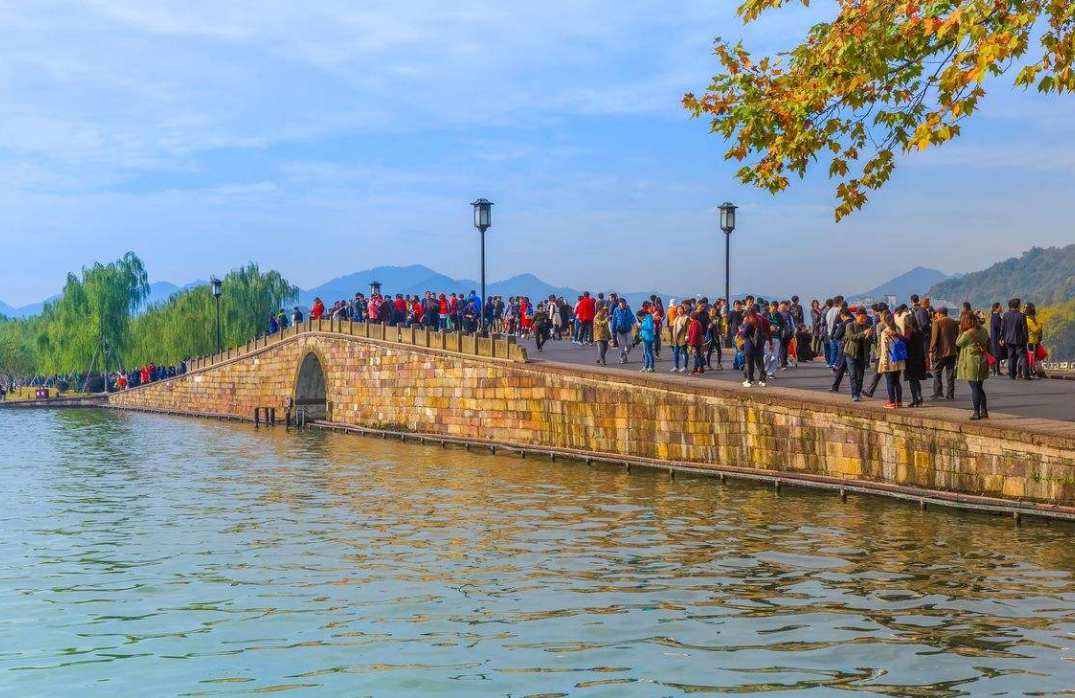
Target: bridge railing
<point>494,346</point>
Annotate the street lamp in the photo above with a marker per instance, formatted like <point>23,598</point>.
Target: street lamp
<point>483,220</point>
<point>218,290</point>
<point>727,224</point>
<point>375,289</point>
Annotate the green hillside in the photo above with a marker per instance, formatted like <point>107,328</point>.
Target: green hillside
<point>1042,276</point>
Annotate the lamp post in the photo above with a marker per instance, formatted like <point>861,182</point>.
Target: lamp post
<point>483,220</point>
<point>375,288</point>
<point>727,224</point>
<point>218,290</point>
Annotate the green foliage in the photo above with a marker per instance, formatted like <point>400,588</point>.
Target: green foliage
<point>16,348</point>
<point>91,308</point>
<point>66,337</point>
<point>1042,276</point>
<point>1059,331</point>
<point>185,324</point>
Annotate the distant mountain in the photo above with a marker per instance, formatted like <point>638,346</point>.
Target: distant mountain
<point>161,291</point>
<point>416,279</point>
<point>25,310</point>
<point>919,280</point>
<point>1042,276</point>
<point>410,280</point>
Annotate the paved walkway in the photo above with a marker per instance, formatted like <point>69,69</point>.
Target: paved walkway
<point>1034,400</point>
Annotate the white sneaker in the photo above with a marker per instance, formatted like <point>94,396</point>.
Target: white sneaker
<point>747,384</point>
<point>772,375</point>
<point>761,383</point>
<point>675,370</point>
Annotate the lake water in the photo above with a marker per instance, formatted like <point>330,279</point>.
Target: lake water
<point>155,556</point>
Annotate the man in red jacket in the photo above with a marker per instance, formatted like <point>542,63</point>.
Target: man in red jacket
<point>585,312</point>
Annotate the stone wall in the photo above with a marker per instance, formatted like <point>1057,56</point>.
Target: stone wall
<point>387,386</point>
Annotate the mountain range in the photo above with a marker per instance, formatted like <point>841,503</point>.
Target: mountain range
<point>1047,275</point>
<point>918,280</point>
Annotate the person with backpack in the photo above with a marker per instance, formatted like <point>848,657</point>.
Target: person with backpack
<point>891,357</point>
<point>755,334</point>
<point>974,359</point>
<point>646,332</point>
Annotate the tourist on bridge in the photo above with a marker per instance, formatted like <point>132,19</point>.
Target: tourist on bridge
<point>858,342</point>
<point>1013,334</point>
<point>891,356</point>
<point>273,327</point>
<point>996,340</point>
<point>1034,332</point>
<point>756,335</point>
<point>974,362</point>
<point>623,320</point>
<point>317,309</point>
<point>943,352</point>
<point>646,331</point>
<point>678,326</point>
<point>838,337</point>
<point>585,310</point>
<point>540,326</point>
<point>601,333</point>
<point>916,370</point>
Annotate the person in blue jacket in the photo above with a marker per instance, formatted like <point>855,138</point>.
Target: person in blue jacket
<point>646,332</point>
<point>622,321</point>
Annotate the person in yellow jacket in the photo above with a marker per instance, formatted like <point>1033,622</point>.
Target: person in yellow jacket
<point>1034,332</point>
<point>601,333</point>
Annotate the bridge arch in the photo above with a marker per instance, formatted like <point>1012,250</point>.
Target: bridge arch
<point>310,389</point>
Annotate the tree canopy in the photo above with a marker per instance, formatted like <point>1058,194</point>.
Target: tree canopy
<point>884,76</point>
<point>185,324</point>
<point>103,303</point>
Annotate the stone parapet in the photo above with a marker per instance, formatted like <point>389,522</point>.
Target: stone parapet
<point>454,388</point>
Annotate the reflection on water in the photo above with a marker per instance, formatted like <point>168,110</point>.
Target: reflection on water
<point>153,556</point>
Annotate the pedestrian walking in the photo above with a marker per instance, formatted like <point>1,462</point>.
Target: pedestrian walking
<point>974,361</point>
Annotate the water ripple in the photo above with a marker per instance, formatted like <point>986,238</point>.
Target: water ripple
<point>144,555</point>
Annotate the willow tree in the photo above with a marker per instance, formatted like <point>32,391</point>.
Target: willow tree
<point>883,77</point>
<point>93,312</point>
<point>17,356</point>
<point>185,324</point>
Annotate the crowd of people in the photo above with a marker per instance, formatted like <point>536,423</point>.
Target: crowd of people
<point>909,343</point>
<point>93,381</point>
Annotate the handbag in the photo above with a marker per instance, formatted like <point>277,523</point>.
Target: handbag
<point>990,360</point>
<point>1040,353</point>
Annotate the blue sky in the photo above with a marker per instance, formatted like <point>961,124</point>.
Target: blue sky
<point>326,136</point>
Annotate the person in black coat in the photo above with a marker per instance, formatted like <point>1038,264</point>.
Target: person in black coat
<point>1013,333</point>
<point>996,321</point>
<point>916,369</point>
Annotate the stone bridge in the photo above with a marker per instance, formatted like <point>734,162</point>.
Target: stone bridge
<point>444,385</point>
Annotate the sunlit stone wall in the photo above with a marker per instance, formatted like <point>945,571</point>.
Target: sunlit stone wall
<point>382,385</point>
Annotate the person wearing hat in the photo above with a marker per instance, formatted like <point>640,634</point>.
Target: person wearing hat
<point>943,354</point>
